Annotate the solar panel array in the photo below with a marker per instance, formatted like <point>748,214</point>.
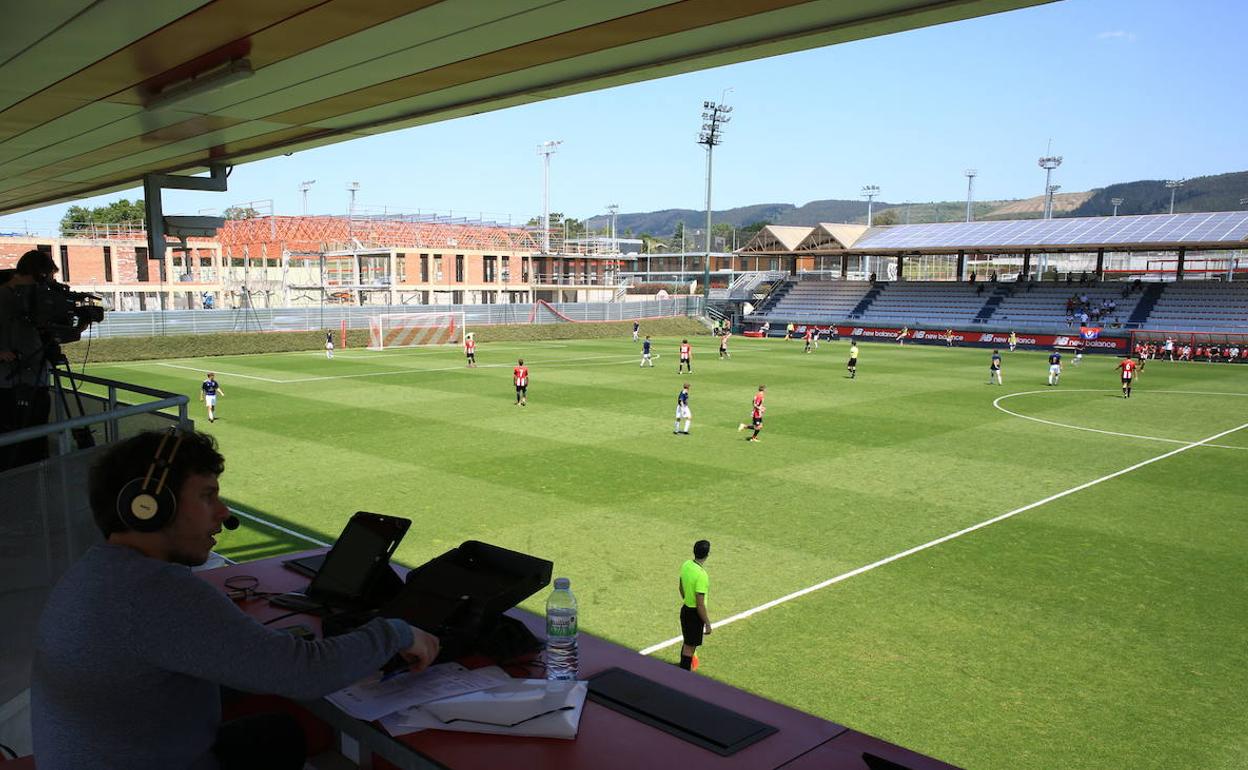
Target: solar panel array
<point>1223,227</point>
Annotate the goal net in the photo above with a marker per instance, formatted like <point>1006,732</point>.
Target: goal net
<point>405,330</point>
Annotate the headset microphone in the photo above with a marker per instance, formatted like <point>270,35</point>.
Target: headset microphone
<point>230,523</point>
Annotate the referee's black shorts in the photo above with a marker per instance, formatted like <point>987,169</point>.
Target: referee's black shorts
<point>691,625</point>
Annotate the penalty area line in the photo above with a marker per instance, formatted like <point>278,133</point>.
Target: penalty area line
<point>951,536</point>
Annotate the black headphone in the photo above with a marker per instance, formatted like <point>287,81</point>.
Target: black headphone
<point>146,508</point>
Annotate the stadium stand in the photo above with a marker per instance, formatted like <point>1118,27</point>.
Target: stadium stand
<point>1041,306</point>
<point>1201,306</point>
<point>1185,305</point>
<point>940,303</point>
<point>812,301</point>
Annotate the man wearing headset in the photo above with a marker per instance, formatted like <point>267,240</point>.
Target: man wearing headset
<point>133,649</point>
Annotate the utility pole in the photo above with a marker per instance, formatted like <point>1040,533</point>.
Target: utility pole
<point>970,183</point>
<point>303,188</point>
<point>546,149</point>
<point>715,115</point>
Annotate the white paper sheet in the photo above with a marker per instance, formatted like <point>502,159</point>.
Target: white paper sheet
<point>372,699</point>
<point>522,707</point>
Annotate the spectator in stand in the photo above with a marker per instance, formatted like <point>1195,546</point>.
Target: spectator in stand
<point>1185,353</point>
<point>972,278</point>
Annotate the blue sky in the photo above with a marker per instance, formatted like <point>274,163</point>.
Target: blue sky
<point>1126,89</point>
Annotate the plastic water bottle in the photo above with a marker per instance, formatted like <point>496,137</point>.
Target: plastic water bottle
<point>562,659</point>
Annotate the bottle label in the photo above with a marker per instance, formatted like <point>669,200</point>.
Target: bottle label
<point>560,625</point>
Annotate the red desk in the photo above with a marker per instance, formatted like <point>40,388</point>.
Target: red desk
<point>606,739</point>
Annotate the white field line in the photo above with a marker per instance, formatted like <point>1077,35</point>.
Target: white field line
<point>613,359</point>
<point>279,528</point>
<point>932,543</point>
<point>997,403</point>
<point>202,369</point>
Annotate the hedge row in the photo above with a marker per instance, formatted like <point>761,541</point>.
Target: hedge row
<point>242,343</point>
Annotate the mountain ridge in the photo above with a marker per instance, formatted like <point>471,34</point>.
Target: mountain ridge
<point>1217,192</point>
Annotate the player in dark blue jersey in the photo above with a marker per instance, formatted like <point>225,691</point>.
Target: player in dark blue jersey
<point>208,392</point>
<point>1055,367</point>
<point>994,368</point>
<point>682,411</point>
<point>645,353</point>
<point>636,328</point>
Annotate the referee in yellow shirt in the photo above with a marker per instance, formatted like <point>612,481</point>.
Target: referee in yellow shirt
<point>694,583</point>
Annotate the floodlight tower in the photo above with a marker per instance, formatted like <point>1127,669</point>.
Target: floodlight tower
<point>303,188</point>
<point>1048,163</point>
<point>715,115</point>
<point>1116,202</point>
<point>546,149</point>
<point>869,192</point>
<point>352,188</point>
<point>1051,191</point>
<point>970,187</point>
<point>613,209</point>
<point>1174,185</point>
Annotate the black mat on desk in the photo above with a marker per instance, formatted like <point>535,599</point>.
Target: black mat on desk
<point>691,719</point>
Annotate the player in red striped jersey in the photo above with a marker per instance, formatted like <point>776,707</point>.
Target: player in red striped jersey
<point>520,375</point>
<point>1128,375</point>
<point>686,357</point>
<point>756,413</point>
<point>470,350</point>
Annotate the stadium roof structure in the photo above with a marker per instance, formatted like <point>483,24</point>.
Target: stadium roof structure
<point>94,94</point>
<point>327,234</point>
<point>1156,232</point>
<point>776,238</point>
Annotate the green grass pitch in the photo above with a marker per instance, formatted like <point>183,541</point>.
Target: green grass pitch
<point>1103,628</point>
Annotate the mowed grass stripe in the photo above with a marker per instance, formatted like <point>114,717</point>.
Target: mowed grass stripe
<point>589,474</point>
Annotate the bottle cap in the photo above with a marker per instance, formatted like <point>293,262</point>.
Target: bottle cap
<point>562,584</point>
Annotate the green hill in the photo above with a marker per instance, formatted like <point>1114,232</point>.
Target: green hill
<point>1221,192</point>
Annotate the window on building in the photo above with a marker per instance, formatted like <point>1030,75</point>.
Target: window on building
<point>400,266</point>
<point>459,268</point>
<point>140,268</point>
<point>437,267</point>
<point>490,268</point>
<point>65,263</point>
<point>424,268</point>
<point>108,264</point>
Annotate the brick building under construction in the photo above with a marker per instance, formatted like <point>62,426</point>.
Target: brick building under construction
<point>280,261</point>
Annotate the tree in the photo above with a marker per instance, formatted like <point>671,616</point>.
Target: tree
<point>678,234</point>
<point>240,212</point>
<point>80,218</point>
<point>886,217</point>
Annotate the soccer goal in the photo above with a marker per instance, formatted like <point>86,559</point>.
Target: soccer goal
<point>406,330</point>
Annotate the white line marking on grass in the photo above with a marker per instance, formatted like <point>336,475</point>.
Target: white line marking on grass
<point>278,527</point>
<point>614,359</point>
<point>997,404</point>
<point>932,543</point>
<point>222,371</point>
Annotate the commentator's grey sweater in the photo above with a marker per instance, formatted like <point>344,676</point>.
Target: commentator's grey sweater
<point>132,652</point>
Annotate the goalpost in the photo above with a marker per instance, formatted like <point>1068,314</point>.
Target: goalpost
<point>405,330</point>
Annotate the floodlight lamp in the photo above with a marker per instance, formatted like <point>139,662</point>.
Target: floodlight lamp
<point>971,172</point>
<point>1116,201</point>
<point>708,105</point>
<point>177,94</point>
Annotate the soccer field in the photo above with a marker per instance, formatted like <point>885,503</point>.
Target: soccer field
<point>1098,622</point>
